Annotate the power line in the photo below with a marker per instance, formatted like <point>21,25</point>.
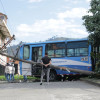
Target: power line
<point>3,60</point>
<point>2,6</point>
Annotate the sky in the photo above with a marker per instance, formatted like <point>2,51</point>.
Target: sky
<point>39,20</point>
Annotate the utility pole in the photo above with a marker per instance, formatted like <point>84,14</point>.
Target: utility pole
<point>52,66</point>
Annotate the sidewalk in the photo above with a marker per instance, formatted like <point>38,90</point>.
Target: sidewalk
<point>88,80</point>
<point>1,82</point>
<point>20,81</point>
<point>91,81</point>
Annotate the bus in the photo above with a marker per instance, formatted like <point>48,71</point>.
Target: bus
<point>66,53</point>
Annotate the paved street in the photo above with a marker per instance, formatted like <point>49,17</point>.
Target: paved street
<point>74,90</point>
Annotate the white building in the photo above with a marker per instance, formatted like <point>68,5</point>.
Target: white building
<point>3,30</point>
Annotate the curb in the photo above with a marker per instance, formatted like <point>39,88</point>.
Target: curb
<point>20,81</point>
<point>91,82</point>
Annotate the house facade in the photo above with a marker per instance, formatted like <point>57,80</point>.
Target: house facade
<point>4,36</point>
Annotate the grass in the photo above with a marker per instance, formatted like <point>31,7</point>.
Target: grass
<point>2,77</point>
<point>18,77</point>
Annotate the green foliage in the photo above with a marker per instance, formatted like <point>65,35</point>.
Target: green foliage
<point>18,77</point>
<point>95,55</point>
<point>98,67</point>
<point>2,77</point>
<point>92,22</point>
<point>95,76</point>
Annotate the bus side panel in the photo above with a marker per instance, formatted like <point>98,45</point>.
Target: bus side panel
<point>20,67</point>
<point>71,62</point>
<point>26,69</point>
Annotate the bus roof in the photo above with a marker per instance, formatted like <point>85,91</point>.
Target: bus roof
<point>55,41</point>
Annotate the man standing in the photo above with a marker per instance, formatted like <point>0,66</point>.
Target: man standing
<point>11,72</point>
<point>46,61</point>
<point>7,75</point>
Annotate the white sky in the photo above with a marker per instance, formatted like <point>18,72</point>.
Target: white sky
<point>38,20</point>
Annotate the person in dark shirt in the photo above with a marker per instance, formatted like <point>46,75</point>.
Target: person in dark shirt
<point>46,61</point>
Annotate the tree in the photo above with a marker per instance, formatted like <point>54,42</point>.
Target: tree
<point>92,23</point>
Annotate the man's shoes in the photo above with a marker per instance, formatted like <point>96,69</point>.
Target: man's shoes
<point>40,83</point>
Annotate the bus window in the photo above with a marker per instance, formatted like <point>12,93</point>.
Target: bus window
<point>79,48</point>
<point>81,52</point>
<point>55,49</point>
<point>26,53</point>
<point>50,53</point>
<point>70,52</point>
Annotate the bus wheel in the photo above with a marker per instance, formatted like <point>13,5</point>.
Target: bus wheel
<point>53,75</point>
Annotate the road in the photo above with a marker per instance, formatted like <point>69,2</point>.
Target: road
<point>69,90</point>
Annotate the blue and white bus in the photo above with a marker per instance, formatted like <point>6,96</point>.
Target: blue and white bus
<point>68,53</point>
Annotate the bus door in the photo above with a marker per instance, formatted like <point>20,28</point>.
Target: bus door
<point>38,52</point>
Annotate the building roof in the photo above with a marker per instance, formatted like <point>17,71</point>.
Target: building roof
<point>4,28</point>
<point>4,15</point>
